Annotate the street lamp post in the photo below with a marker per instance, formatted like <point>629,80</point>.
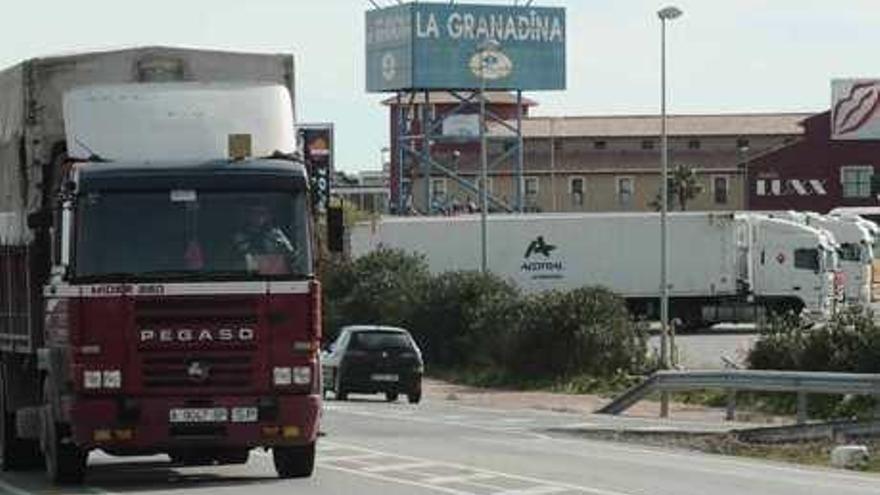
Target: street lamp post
<point>484,48</point>
<point>744,165</point>
<point>665,14</point>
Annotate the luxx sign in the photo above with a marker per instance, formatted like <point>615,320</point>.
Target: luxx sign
<point>438,46</point>
<point>790,187</point>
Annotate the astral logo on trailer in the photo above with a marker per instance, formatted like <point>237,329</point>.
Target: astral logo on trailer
<point>545,266</point>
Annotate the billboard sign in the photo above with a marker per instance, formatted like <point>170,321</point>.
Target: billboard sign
<point>443,46</point>
<point>855,109</point>
<point>316,141</point>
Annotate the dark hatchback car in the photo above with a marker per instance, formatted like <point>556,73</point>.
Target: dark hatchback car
<point>371,360</point>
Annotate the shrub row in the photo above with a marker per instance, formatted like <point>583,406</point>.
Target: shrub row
<point>470,320</point>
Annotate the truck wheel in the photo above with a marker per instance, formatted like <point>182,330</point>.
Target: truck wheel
<point>414,397</point>
<point>391,396</point>
<point>65,462</point>
<point>15,453</point>
<point>294,462</point>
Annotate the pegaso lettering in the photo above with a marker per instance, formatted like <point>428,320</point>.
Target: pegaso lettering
<point>188,335</point>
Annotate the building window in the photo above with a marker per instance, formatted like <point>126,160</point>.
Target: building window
<point>600,145</point>
<point>479,184</point>
<point>694,144</point>
<point>648,144</point>
<point>856,181</point>
<point>625,190</point>
<point>438,189</point>
<point>530,188</point>
<point>576,190</point>
<point>742,143</point>
<point>720,189</point>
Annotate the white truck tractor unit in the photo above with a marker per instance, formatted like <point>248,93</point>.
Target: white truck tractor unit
<point>855,250</point>
<point>722,267</point>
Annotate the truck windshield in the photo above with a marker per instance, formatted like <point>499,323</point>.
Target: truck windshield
<point>191,234</point>
<point>851,252</point>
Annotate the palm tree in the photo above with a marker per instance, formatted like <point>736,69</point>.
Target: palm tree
<point>683,187</point>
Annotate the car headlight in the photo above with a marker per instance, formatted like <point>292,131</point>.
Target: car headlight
<point>302,375</point>
<point>282,375</point>
<point>92,379</point>
<point>112,379</point>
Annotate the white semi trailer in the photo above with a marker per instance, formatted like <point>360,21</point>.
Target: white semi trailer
<point>722,266</point>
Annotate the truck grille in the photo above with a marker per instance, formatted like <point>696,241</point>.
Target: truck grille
<point>194,365</point>
<point>200,371</point>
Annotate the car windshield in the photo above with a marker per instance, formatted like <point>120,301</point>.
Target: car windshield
<point>188,233</point>
<point>380,340</point>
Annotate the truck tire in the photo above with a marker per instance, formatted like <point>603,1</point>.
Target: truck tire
<point>391,396</point>
<point>15,453</point>
<point>65,462</point>
<point>414,397</point>
<point>294,462</point>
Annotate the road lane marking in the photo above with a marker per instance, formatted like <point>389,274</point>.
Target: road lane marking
<point>533,483</point>
<point>724,461</point>
<point>440,480</point>
<point>398,467</point>
<point>390,479</point>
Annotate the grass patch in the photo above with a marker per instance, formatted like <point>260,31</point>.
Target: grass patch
<point>501,379</point>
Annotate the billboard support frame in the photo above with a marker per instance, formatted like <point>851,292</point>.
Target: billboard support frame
<point>416,145</point>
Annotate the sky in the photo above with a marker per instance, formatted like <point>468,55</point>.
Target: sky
<point>723,55</point>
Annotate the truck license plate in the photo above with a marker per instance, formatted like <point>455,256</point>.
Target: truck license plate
<point>198,415</point>
<point>385,378</point>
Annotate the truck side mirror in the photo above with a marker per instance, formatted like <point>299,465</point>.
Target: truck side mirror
<point>335,229</point>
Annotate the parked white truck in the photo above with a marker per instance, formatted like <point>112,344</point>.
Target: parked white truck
<point>855,250</point>
<point>722,267</point>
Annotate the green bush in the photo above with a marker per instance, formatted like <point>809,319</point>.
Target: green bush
<point>383,287</point>
<point>584,331</point>
<point>462,316</point>
<point>849,342</point>
<point>478,323</point>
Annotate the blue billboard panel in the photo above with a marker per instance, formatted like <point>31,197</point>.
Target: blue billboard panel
<point>444,46</point>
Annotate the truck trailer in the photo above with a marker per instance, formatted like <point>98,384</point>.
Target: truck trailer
<point>136,315</point>
<point>722,266</point>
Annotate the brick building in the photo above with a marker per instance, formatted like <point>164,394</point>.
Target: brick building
<point>599,163</point>
<point>815,172</point>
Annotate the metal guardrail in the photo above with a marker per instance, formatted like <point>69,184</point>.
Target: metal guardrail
<point>831,430</point>
<point>733,381</point>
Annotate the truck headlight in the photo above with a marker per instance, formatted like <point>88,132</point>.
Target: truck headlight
<point>92,379</point>
<point>112,379</point>
<point>302,375</point>
<point>282,375</point>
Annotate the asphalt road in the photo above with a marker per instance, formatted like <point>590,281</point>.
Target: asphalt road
<point>372,447</point>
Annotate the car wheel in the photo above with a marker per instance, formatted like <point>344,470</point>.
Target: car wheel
<point>294,462</point>
<point>341,395</point>
<point>391,396</point>
<point>414,397</point>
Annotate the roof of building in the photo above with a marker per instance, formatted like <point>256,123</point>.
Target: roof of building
<point>444,97</point>
<point>739,124</point>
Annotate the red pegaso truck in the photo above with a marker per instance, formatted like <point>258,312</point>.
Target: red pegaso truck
<point>157,290</point>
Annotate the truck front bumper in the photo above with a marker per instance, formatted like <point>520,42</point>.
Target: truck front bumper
<point>143,423</point>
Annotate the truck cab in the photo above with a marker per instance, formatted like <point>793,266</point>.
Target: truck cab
<point>181,313</point>
<point>796,267</point>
